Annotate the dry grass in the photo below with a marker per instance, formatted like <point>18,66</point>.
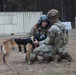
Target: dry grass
<point>19,67</point>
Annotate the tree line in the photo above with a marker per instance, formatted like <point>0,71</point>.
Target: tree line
<point>67,8</point>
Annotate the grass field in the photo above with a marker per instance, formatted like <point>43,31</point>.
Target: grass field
<point>19,67</point>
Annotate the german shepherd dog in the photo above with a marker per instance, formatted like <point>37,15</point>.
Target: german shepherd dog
<point>8,44</point>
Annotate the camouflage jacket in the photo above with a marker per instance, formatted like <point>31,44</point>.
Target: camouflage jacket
<point>34,31</point>
<point>54,35</point>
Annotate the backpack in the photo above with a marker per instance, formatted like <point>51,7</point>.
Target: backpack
<point>64,33</point>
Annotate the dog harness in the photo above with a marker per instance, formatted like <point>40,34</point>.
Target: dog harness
<point>23,41</point>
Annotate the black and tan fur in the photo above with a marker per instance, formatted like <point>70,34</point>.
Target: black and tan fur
<point>7,45</point>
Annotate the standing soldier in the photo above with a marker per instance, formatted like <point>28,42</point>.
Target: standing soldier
<point>55,42</point>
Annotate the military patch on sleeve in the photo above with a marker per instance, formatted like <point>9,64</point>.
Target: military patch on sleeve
<point>50,34</point>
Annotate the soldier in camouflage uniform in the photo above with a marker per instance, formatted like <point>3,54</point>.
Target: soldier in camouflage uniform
<point>55,42</point>
<point>39,31</point>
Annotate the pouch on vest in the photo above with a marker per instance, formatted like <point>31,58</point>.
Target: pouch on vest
<point>65,36</point>
<point>64,33</point>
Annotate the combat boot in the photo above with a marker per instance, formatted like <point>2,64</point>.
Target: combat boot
<point>67,56</point>
<point>64,56</point>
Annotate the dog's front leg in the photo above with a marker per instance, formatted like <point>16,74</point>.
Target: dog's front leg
<point>29,48</point>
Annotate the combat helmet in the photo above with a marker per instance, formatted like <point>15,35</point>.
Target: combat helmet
<point>52,13</point>
<point>42,18</point>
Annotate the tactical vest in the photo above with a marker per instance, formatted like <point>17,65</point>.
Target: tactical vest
<point>64,33</point>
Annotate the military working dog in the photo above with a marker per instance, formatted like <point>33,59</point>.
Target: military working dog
<point>8,44</point>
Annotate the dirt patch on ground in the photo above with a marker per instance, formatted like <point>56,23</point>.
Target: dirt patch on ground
<point>19,67</point>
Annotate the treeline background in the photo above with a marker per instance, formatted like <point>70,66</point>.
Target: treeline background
<point>67,8</point>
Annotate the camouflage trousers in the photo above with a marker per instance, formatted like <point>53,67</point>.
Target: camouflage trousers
<point>46,51</point>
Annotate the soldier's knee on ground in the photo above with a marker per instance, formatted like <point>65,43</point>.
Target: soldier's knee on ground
<point>47,57</point>
<point>33,57</point>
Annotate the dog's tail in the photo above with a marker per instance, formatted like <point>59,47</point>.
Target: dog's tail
<point>2,51</point>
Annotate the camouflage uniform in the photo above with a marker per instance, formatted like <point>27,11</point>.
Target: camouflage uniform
<point>53,44</point>
<point>35,31</point>
<point>40,30</point>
